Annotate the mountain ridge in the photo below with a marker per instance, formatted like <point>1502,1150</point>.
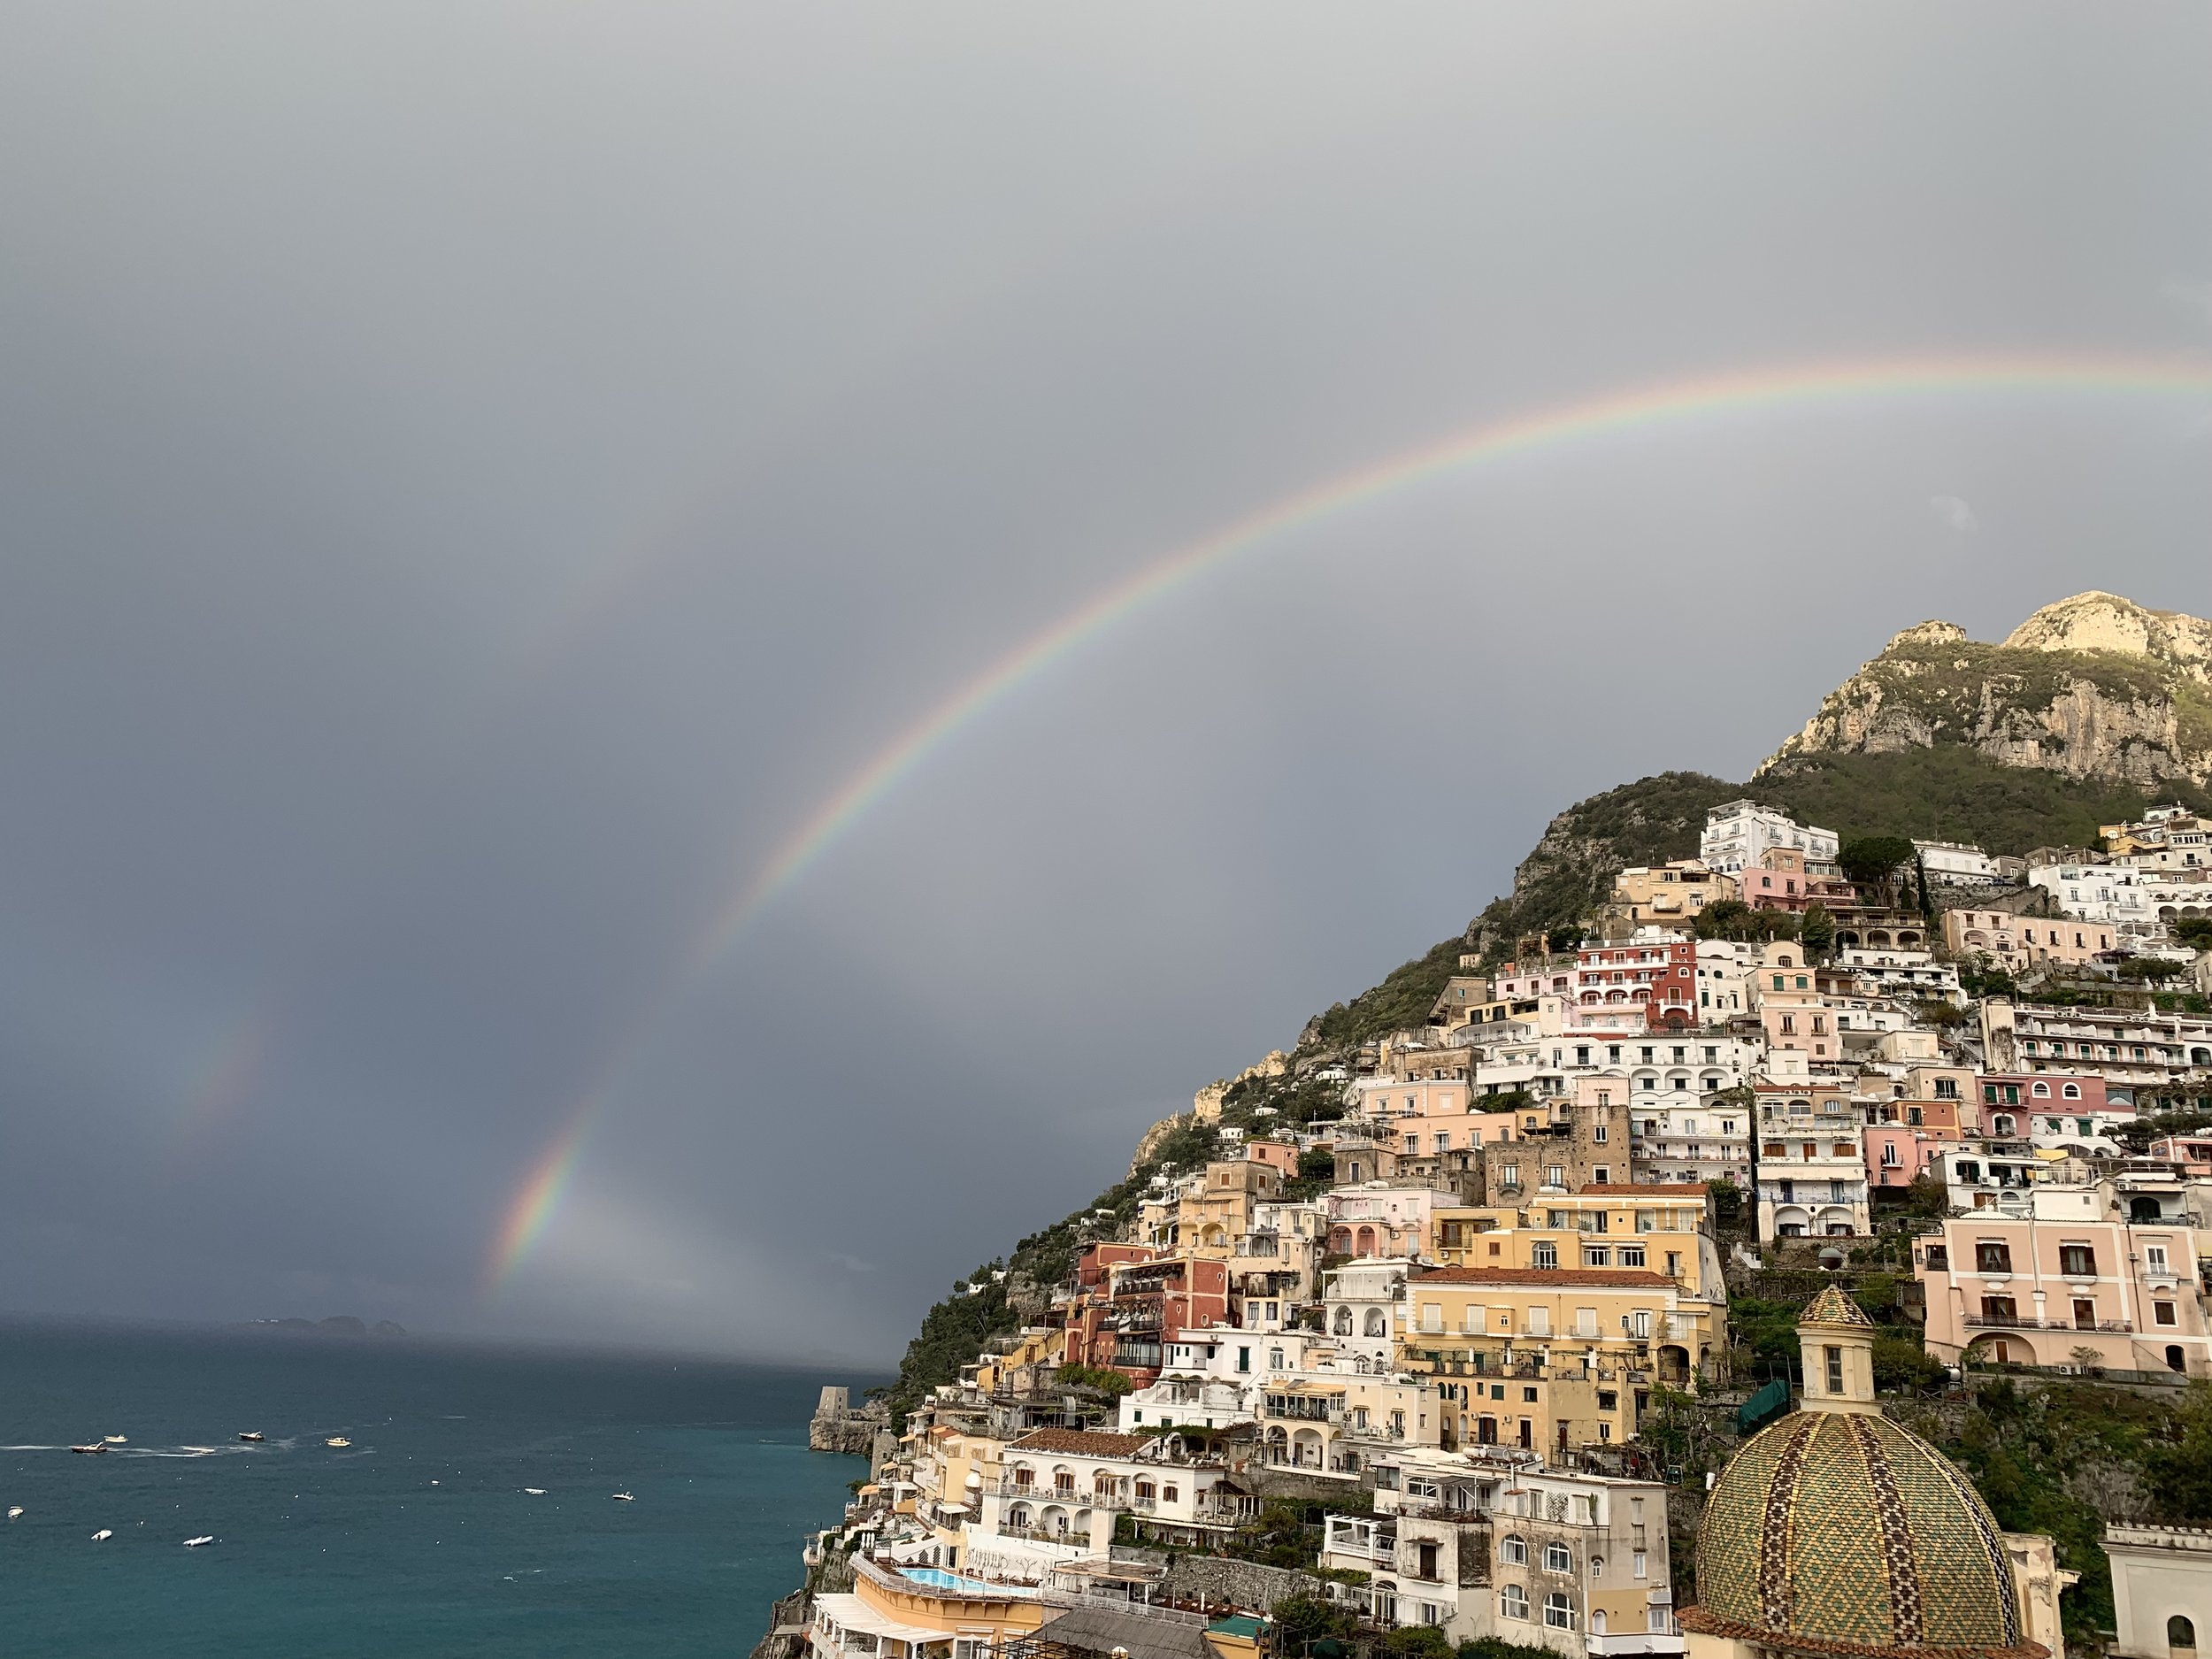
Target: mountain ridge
<point>2094,687</point>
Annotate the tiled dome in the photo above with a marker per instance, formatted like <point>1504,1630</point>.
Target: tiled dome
<point>1836,1532</point>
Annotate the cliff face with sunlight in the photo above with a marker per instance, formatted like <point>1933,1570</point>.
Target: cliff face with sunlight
<point>2093,688</point>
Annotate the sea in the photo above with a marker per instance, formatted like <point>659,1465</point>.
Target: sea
<point>424,1537</point>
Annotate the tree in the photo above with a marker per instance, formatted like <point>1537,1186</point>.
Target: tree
<point>1732,919</point>
<point>1873,860</point>
<point>2150,968</point>
<point>2194,930</point>
<point>2180,1466</point>
<point>1902,1366</point>
<point>1816,929</point>
<point>1727,1202</point>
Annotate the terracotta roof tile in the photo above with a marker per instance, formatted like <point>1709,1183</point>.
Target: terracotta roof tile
<point>1081,1443</point>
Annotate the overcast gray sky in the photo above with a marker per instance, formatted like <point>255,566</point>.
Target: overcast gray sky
<point>475,480</point>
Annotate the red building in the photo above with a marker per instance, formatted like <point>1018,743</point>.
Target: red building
<point>1130,1296</point>
<point>1659,975</point>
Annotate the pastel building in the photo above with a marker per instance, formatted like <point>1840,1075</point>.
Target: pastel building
<point>2064,1281</point>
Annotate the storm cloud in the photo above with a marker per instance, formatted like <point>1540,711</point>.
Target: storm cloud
<point>483,486</point>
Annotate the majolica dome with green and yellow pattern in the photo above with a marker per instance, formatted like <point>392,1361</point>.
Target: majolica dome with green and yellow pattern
<point>1836,1532</point>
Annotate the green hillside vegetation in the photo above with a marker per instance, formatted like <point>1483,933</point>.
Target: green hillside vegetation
<point>1943,793</point>
<point>1957,794</point>
<point>955,1330</point>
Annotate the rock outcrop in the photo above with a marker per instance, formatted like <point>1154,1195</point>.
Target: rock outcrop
<point>2094,687</point>
<point>839,1426</point>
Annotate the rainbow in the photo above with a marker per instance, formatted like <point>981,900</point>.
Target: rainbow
<point>538,1199</point>
<point>1609,414</point>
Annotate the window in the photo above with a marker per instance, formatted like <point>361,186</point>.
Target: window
<point>2076,1261</point>
<point>1558,1558</point>
<point>1596,1256</point>
<point>1539,1322</point>
<point>1835,1371</point>
<point>1558,1614</point>
<point>2154,1258</point>
<point>1513,1602</point>
<point>2072,1091</point>
<point>2161,1313</point>
<point>1992,1257</point>
<point>1543,1253</point>
<point>1632,1256</point>
<point>1639,1564</point>
<point>1513,1550</point>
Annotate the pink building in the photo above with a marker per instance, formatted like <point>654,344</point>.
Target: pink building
<point>2044,1102</point>
<point>2191,1154</point>
<point>1279,1155</point>
<point>2071,1283</point>
<point>1378,1220</point>
<point>1897,1153</point>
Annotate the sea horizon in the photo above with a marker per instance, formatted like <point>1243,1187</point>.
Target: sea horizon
<point>420,1494</point>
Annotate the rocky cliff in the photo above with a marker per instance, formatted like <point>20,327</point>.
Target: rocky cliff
<point>2096,687</point>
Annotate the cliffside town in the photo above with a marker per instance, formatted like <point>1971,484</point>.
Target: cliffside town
<point>1606,1281</point>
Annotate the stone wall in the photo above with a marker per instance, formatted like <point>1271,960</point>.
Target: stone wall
<point>840,1426</point>
<point>1222,1581</point>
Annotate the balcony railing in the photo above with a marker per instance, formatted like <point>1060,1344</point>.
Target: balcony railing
<point>2023,1321</point>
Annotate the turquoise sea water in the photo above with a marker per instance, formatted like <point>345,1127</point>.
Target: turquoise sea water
<point>419,1540</point>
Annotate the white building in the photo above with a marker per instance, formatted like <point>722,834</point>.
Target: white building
<point>2162,1589</point>
<point>1739,833</point>
<point>2106,894</point>
<point>1912,975</point>
<point>1487,1542</point>
<point>1725,968</point>
<point>1812,1167</point>
<point>1957,862</point>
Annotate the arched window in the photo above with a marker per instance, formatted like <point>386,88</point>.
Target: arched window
<point>1513,1602</point>
<point>2072,1091</point>
<point>1513,1548</point>
<point>1376,1325</point>
<point>1344,1322</point>
<point>2041,1091</point>
<point>2180,1633</point>
<point>1558,1558</point>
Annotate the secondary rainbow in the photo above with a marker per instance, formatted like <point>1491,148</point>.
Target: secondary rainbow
<point>1617,412</point>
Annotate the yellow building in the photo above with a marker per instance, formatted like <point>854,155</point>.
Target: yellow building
<point>1659,1227</point>
<point>1671,894</point>
<point>1553,1357</point>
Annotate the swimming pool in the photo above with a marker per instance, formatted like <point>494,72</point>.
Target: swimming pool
<point>938,1578</point>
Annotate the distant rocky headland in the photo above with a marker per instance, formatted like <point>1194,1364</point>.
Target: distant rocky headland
<point>343,1324</point>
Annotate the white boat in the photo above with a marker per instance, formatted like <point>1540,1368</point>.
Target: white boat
<point>194,1543</point>
<point>626,1497</point>
<point>535,1491</point>
<point>117,1440</point>
<point>14,1509</point>
<point>93,1450</point>
<point>253,1436</point>
<point>337,1440</point>
<point>103,1535</point>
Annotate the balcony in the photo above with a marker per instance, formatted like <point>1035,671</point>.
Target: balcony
<point>2021,1322</point>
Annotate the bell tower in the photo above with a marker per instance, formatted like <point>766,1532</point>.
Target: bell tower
<point>1836,1340</point>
